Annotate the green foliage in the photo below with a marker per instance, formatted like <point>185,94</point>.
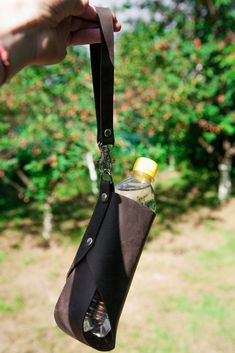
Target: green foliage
<point>176,84</point>
<point>47,126</point>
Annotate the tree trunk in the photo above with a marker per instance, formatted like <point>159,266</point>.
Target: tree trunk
<point>92,172</point>
<point>225,183</point>
<point>47,219</point>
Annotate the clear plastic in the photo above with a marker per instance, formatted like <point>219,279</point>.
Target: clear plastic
<point>96,320</point>
<point>138,188</point>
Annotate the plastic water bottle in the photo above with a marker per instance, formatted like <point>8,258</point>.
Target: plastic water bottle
<point>138,188</point>
<point>96,320</point>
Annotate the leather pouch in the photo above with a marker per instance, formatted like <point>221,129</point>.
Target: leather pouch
<point>105,262</point>
<point>112,244</point>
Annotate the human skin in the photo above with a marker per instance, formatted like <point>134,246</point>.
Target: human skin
<point>38,32</point>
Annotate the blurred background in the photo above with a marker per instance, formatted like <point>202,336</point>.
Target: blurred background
<point>174,103</point>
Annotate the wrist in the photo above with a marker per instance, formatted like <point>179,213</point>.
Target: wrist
<point>2,72</point>
<point>4,58</point>
<point>21,49</point>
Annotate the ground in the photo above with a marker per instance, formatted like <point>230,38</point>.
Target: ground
<point>182,299</point>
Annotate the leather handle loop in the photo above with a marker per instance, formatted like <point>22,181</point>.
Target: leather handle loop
<point>102,65</point>
<point>106,23</point>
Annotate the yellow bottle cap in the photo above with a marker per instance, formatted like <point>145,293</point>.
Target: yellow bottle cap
<point>146,165</point>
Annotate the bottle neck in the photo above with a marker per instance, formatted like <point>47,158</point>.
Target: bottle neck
<point>142,176</point>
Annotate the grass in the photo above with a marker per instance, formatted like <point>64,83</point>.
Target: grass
<point>3,257</point>
<point>29,260</point>
<point>11,306</point>
<point>223,256</point>
<point>200,308</point>
<point>203,316</point>
<point>206,313</point>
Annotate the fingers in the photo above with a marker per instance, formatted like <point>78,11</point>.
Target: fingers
<point>85,36</point>
<point>90,14</point>
<point>85,28</point>
<point>79,23</point>
<point>60,9</point>
<point>80,9</point>
<point>84,31</point>
<point>116,24</point>
<point>75,7</point>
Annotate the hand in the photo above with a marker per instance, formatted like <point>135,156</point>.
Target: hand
<point>66,22</point>
<point>37,32</point>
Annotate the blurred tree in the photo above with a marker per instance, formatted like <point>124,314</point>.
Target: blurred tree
<point>177,84</point>
<point>175,79</point>
<point>47,125</point>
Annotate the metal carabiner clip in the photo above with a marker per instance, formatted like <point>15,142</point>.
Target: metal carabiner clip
<point>105,162</point>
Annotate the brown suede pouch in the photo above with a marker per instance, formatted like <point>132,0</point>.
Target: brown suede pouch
<point>105,261</point>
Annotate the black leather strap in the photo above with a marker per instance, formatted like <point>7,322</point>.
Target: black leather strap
<point>102,64</point>
<point>89,238</point>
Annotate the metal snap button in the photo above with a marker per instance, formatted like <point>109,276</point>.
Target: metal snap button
<point>107,133</point>
<point>104,197</point>
<point>89,241</point>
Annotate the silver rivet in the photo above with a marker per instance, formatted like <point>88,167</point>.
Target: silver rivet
<point>104,197</point>
<point>89,241</point>
<point>107,133</point>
